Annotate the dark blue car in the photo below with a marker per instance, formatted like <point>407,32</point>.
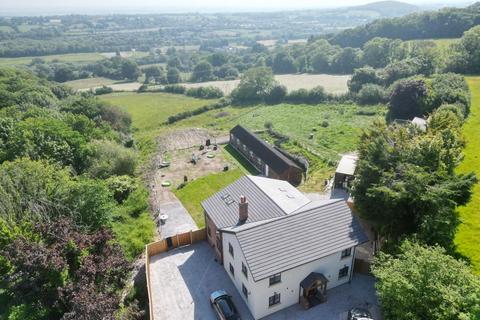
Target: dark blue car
<point>223,305</point>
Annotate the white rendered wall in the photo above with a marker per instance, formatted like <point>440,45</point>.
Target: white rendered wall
<point>289,287</point>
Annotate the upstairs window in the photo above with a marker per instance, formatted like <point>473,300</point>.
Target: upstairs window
<point>245,291</point>
<point>232,270</point>
<point>346,253</point>
<point>230,249</point>
<point>276,278</point>
<point>244,270</point>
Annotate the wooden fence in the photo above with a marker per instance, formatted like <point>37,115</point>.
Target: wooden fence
<point>154,248</point>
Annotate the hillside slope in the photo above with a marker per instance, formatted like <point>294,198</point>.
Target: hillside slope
<point>444,23</point>
<point>389,8</point>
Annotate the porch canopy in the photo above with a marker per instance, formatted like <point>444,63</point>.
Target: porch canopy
<point>314,279</point>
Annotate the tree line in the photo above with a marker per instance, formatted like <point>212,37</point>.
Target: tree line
<point>444,23</point>
<point>67,168</point>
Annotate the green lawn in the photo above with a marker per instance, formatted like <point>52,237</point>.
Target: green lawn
<point>200,189</point>
<point>469,231</point>
<point>149,112</point>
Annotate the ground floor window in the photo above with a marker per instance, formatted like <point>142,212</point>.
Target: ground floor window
<point>342,273</point>
<point>273,300</point>
<point>232,270</point>
<point>245,291</point>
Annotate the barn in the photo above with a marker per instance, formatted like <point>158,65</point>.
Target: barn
<point>270,162</point>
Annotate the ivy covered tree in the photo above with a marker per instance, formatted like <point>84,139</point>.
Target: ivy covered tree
<point>424,283</point>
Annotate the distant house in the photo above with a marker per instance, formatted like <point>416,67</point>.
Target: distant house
<point>278,247</point>
<point>266,159</point>
<point>345,172</point>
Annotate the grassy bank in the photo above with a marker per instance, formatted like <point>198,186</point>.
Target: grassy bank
<point>468,232</point>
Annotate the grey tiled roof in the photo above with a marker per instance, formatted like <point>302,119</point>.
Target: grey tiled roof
<point>224,212</point>
<point>292,240</point>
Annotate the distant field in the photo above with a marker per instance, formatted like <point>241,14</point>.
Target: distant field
<point>273,42</point>
<point>149,111</point>
<point>126,54</point>
<point>89,83</point>
<point>332,83</point>
<point>82,58</point>
<point>6,29</point>
<point>467,237</point>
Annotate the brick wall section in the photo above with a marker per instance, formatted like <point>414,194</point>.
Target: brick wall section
<point>212,237</point>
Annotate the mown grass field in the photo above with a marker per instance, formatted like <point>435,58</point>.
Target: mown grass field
<point>467,237</point>
<point>149,112</point>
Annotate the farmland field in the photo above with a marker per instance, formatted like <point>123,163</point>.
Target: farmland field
<point>89,83</point>
<point>81,58</point>
<point>320,133</point>
<point>149,111</point>
<point>332,83</point>
<point>468,232</point>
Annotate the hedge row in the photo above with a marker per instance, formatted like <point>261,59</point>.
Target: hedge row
<point>187,114</point>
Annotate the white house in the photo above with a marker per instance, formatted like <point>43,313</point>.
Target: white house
<point>291,256</point>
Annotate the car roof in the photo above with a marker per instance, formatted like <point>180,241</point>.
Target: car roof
<point>217,294</point>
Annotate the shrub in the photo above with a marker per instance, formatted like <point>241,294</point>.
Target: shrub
<point>121,186</point>
<point>209,92</point>
<point>103,90</point>
<point>371,94</point>
<point>361,77</point>
<point>317,95</point>
<point>298,96</point>
<point>174,88</point>
<point>276,94</point>
<point>111,159</point>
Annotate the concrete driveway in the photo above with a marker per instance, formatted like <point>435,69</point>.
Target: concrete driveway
<point>183,278</point>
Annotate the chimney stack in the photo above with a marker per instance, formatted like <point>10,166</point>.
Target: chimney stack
<point>243,209</point>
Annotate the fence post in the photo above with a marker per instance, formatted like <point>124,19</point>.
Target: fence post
<point>191,239</point>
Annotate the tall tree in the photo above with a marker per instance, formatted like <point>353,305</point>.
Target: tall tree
<point>405,182</point>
